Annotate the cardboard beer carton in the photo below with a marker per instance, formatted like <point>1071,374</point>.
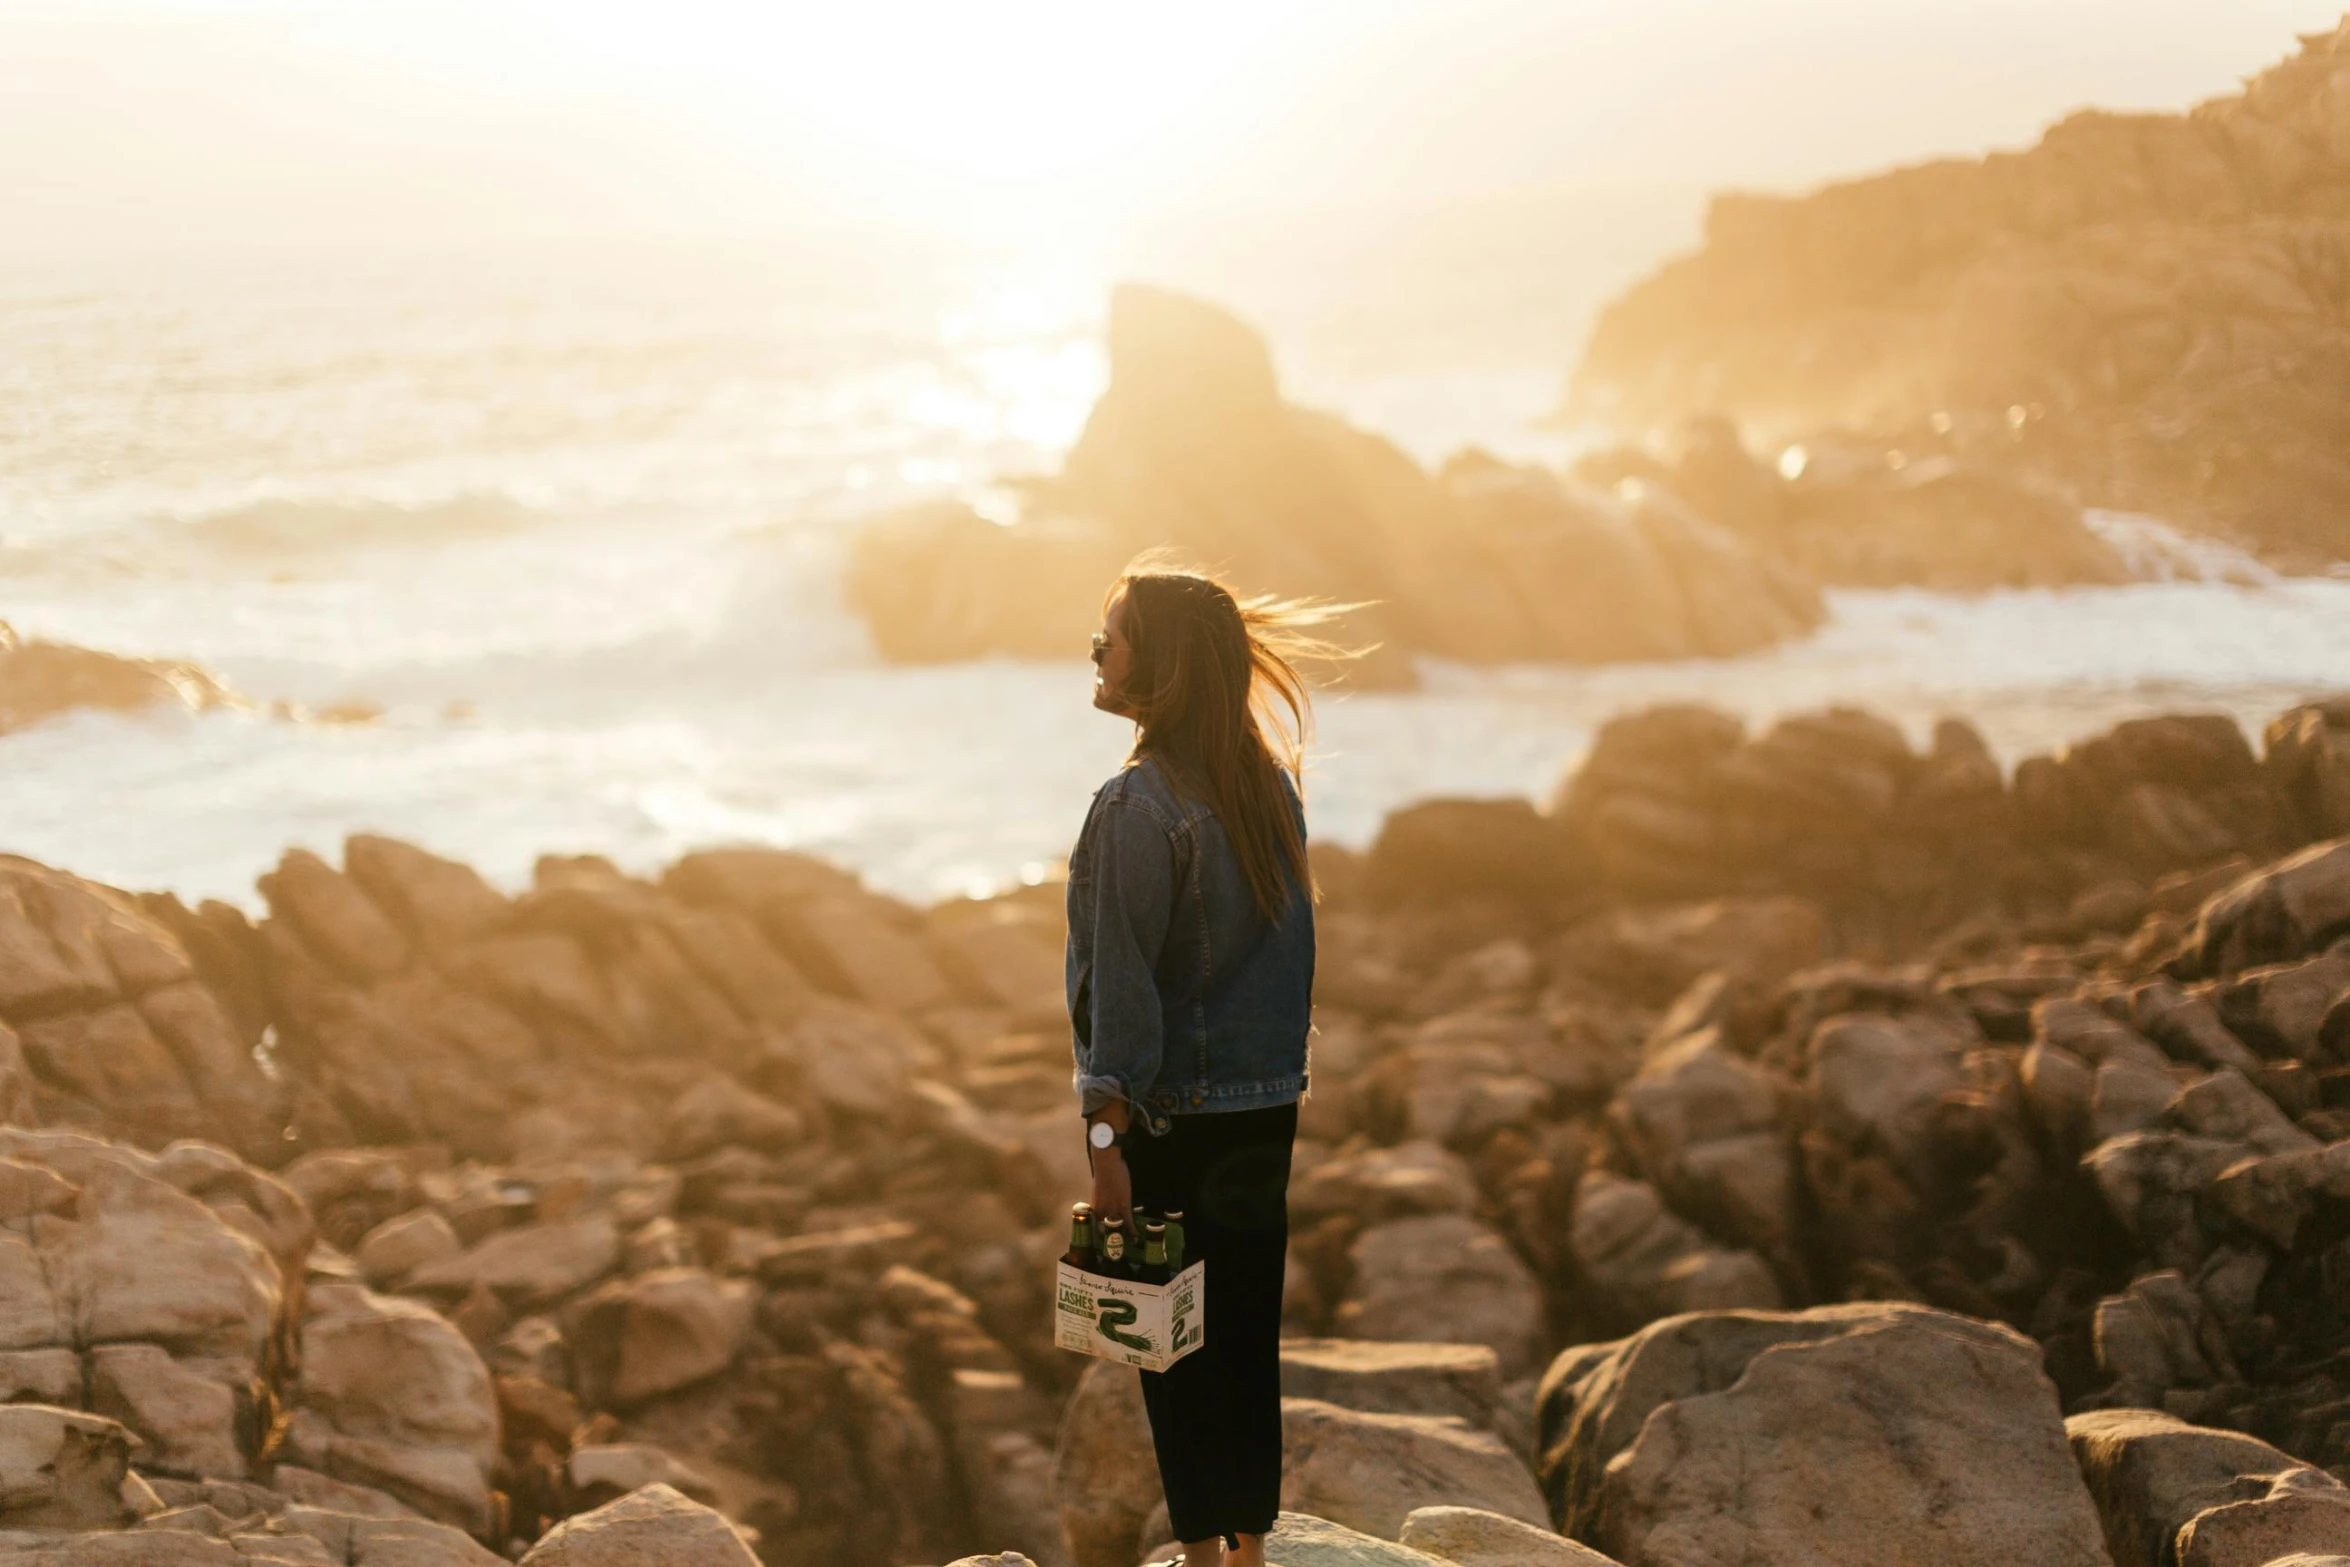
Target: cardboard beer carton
<point>1150,1326</point>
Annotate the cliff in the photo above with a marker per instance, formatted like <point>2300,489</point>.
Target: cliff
<point>2152,311</point>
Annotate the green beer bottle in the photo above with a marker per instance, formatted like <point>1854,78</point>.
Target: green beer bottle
<point>1080,1253</point>
<point>1174,1241</point>
<point>1154,1255</point>
<point>1111,1249</point>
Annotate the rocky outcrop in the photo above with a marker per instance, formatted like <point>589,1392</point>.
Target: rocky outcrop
<point>41,680</point>
<point>2140,309</point>
<point>1712,1438</point>
<point>744,1181</point>
<point>1193,448</point>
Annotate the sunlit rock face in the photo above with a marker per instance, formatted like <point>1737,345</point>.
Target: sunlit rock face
<point>41,680</point>
<point>1192,448</point>
<point>2143,308</point>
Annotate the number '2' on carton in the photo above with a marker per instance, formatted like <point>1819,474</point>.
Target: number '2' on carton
<point>1150,1326</point>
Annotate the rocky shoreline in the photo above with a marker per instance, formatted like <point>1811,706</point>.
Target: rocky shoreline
<point>2141,313</point>
<point>1752,1080</point>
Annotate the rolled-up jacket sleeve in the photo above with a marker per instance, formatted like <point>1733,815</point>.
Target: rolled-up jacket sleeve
<point>1133,901</point>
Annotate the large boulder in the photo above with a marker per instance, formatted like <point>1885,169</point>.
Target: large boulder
<point>1106,1473</point>
<point>1712,1437</point>
<point>652,1527</point>
<point>1368,1471</point>
<point>394,1397</point>
<point>180,1309</point>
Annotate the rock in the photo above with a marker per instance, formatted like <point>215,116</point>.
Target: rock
<point>2279,914</point>
<point>1001,1559</point>
<point>718,1111</point>
<point>1708,1129</point>
<point>637,1338</point>
<point>1368,1471</point>
<point>40,680</point>
<point>400,1245</point>
<point>2151,1181</point>
<point>1301,1541</point>
<point>2151,1474</point>
<point>528,1266</point>
<point>2306,1510</point>
<point>1191,445</point>
<point>1472,1538</point>
<point>2282,1010</point>
<point>335,918</point>
<point>393,1397</point>
<point>856,1059</point>
<point>1678,1445</point>
<point>61,1469</point>
<point>2156,1335</point>
<point>1466,848</point>
<point>2226,1107</point>
<point>186,1422</point>
<point>1460,1380</point>
<point>1382,1184</point>
<point>605,1471</point>
<point>2087,270</point>
<point>1879,1082</point>
<point>1443,1277</point>
<point>1643,1262</point>
<point>1106,1473</point>
<point>654,1527</point>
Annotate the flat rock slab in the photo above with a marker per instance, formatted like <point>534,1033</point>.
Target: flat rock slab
<point>1369,1471</point>
<point>1299,1540</point>
<point>1462,1380</point>
<point>1469,1537</point>
<point>1472,1537</point>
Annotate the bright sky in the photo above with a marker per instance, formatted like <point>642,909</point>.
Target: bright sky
<point>219,119</point>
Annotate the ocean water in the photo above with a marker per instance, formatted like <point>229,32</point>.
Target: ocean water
<point>574,523</point>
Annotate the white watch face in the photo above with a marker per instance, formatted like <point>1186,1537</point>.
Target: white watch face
<point>1101,1136</point>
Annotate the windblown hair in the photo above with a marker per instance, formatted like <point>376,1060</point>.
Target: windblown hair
<point>1219,703</point>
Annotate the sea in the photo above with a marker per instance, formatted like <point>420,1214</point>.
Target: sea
<point>539,549</point>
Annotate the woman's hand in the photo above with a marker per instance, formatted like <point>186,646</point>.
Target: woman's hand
<point>1113,1187</point>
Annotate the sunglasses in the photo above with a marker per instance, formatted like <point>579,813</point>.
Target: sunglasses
<point>1101,648</point>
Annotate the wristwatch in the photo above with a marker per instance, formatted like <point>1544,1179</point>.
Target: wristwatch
<point>1101,1134</point>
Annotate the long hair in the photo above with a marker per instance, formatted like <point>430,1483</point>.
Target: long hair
<point>1218,702</point>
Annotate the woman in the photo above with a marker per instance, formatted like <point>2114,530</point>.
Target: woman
<point>1190,967</point>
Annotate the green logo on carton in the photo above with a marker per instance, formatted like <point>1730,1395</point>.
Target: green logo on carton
<point>1118,1314</point>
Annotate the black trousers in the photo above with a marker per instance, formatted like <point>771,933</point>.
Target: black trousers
<point>1216,1413</point>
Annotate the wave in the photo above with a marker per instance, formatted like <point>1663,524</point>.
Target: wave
<point>282,527</point>
<point>2157,552</point>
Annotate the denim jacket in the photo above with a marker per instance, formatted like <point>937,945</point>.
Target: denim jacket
<point>1183,998</point>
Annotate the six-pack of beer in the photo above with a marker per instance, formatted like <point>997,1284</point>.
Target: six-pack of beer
<point>1119,1300</point>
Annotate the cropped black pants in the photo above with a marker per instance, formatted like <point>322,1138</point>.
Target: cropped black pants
<point>1216,1413</point>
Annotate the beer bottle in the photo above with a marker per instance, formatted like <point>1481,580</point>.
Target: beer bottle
<point>1111,1248</point>
<point>1174,1242</point>
<point>1154,1255</point>
<point>1080,1253</point>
